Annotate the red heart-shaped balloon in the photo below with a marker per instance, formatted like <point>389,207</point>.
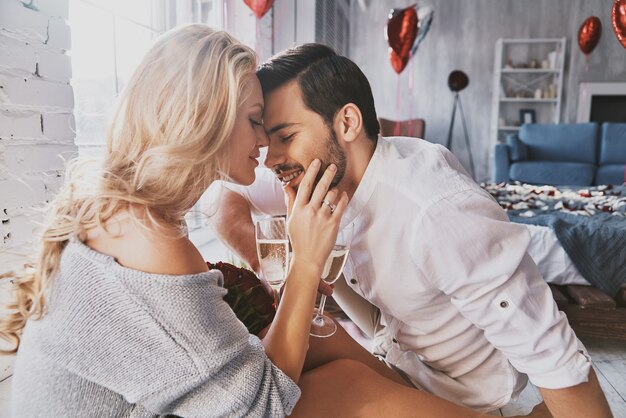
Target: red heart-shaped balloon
<point>397,62</point>
<point>259,7</point>
<point>401,32</point>
<point>589,34</point>
<point>618,19</point>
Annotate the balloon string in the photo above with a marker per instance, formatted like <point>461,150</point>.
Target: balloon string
<point>396,129</point>
<point>410,128</point>
<point>225,17</point>
<point>258,37</point>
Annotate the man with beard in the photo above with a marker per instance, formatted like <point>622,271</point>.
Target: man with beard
<point>468,311</point>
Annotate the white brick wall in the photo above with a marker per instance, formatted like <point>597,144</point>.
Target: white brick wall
<point>37,127</point>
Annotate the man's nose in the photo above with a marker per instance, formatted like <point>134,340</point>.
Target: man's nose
<point>274,155</point>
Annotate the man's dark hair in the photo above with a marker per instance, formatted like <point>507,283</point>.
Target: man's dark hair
<point>328,81</point>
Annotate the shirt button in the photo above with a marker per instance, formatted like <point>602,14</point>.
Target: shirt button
<point>504,304</point>
<point>581,352</point>
<point>353,281</point>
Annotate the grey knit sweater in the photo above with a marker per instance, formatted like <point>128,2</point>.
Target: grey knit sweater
<point>117,342</point>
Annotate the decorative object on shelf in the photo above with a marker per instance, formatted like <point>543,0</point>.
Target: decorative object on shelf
<point>527,116</point>
<point>618,20</point>
<point>551,91</point>
<point>401,32</point>
<point>589,34</point>
<point>552,59</point>
<point>457,81</point>
<point>259,7</point>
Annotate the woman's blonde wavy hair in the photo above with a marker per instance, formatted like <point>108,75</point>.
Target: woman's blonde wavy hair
<point>165,146</point>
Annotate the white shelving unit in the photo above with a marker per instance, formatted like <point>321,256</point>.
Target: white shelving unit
<point>528,75</point>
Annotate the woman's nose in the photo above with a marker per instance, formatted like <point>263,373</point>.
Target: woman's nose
<point>262,140</point>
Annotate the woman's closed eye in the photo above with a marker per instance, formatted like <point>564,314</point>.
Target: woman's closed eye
<point>256,122</point>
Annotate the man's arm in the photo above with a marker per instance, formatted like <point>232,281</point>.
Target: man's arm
<point>232,222</point>
<point>583,400</point>
<point>502,292</point>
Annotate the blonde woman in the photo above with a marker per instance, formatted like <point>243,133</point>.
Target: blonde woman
<point>119,315</point>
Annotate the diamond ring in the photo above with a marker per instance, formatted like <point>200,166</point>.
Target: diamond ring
<point>330,205</point>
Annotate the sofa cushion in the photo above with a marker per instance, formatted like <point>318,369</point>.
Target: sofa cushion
<point>553,172</point>
<point>574,142</point>
<point>611,174</point>
<point>502,163</point>
<point>613,143</point>
<point>518,150</point>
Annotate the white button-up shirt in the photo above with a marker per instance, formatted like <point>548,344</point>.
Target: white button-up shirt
<point>468,311</point>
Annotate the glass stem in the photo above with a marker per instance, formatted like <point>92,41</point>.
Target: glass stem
<point>276,295</point>
<point>320,308</point>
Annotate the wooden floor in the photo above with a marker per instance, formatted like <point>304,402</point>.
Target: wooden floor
<point>609,361</point>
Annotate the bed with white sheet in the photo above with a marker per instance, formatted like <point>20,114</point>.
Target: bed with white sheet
<point>589,224</point>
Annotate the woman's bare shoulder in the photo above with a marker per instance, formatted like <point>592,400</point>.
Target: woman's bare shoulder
<point>145,250</point>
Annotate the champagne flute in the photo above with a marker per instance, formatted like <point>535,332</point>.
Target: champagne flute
<point>272,245</point>
<point>323,325</point>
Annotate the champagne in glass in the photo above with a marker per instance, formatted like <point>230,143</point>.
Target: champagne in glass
<point>323,325</point>
<point>334,264</point>
<point>272,246</point>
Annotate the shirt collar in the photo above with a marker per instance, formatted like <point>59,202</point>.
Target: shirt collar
<point>366,186</point>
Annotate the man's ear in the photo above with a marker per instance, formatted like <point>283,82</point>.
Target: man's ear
<point>349,122</point>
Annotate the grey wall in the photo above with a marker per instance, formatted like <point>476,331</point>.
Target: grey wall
<point>463,36</point>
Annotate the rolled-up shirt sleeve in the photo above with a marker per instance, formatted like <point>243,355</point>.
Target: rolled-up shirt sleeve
<point>466,246</point>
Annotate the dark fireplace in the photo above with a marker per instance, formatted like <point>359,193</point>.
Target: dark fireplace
<point>608,108</point>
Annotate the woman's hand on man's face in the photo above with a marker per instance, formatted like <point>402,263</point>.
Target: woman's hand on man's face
<point>314,214</point>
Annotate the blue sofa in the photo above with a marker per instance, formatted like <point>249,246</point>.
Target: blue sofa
<point>582,154</point>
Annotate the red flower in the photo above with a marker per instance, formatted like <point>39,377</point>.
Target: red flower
<point>247,296</point>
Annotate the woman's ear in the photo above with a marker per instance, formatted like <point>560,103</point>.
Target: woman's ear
<point>349,122</point>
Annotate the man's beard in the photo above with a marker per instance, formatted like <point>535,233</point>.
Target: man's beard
<point>334,154</point>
